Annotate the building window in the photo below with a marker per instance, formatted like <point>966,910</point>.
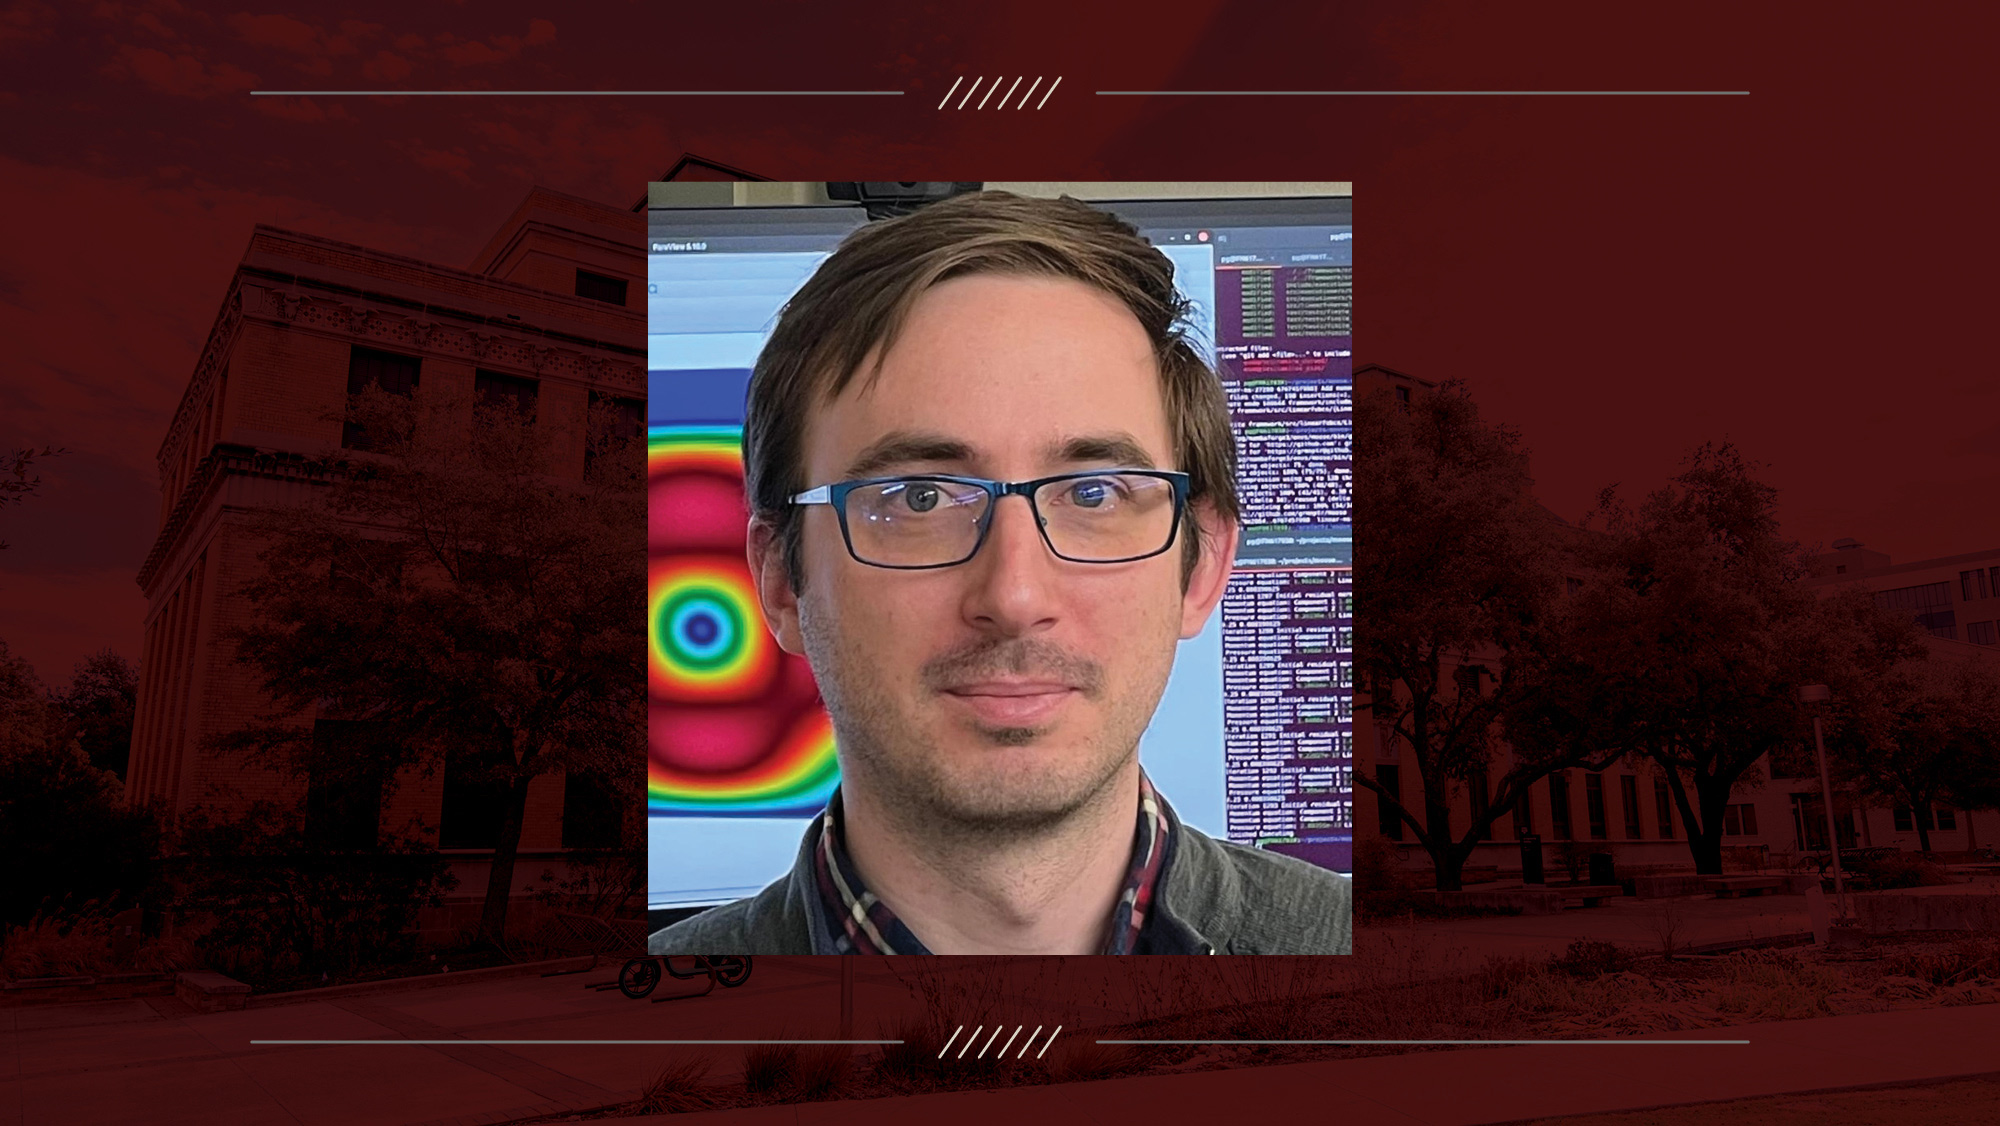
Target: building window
<point>1663,803</point>
<point>1593,803</point>
<point>1391,779</point>
<point>1981,633</point>
<point>344,787</point>
<point>1480,806</point>
<point>593,812</point>
<point>1993,579</point>
<point>1972,584</point>
<point>1739,821</point>
<point>475,800</point>
<point>1933,820</point>
<point>1467,677</point>
<point>1559,827</point>
<point>369,367</point>
<point>1929,605</point>
<point>600,287</point>
<point>513,393</point>
<point>1403,397</point>
<point>1628,796</point>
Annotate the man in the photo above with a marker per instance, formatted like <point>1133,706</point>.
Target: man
<point>991,488</point>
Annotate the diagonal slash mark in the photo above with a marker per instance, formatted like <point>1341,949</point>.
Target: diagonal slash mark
<point>1038,106</point>
<point>1031,1041</point>
<point>969,93</point>
<point>1010,1042</point>
<point>997,1027</point>
<point>968,1042</point>
<point>989,94</point>
<point>1059,1028</point>
<point>1003,105</point>
<point>1024,105</point>
<point>947,98</point>
<point>948,1043</point>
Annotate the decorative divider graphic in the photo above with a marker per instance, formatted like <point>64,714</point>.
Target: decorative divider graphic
<point>736,724</point>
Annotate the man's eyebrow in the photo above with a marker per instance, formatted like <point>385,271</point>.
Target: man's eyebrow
<point>1118,447</point>
<point>900,447</point>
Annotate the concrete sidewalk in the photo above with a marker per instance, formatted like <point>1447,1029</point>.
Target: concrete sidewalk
<point>1474,1086</point>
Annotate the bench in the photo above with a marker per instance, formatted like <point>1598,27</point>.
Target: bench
<point>205,991</point>
<point>1726,887</point>
<point>1590,894</point>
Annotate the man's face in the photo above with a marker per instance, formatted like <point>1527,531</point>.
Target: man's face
<point>1004,692</point>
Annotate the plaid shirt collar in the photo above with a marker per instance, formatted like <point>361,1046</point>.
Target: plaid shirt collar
<point>859,923</point>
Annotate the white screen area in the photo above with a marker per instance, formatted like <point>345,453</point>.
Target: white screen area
<point>709,316</point>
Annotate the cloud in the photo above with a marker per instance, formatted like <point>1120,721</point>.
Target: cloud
<point>308,110</point>
<point>498,48</point>
<point>26,22</point>
<point>181,75</point>
<point>387,66</point>
<point>282,32</point>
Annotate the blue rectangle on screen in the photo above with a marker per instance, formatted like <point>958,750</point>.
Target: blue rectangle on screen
<point>708,395</point>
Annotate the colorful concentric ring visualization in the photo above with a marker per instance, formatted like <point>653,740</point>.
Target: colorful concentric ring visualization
<point>708,640</point>
<point>797,776</point>
<point>737,727</point>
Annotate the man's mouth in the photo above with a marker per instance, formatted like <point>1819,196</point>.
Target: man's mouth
<point>1012,703</point>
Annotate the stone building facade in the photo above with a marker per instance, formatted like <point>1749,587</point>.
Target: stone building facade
<point>552,309</point>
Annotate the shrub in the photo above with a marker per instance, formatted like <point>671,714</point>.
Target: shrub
<point>56,947</point>
<point>1588,957</point>
<point>768,1068</point>
<point>1901,870</point>
<point>678,1088</point>
<point>1080,1060</point>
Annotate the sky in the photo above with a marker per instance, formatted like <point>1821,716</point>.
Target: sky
<point>1621,278</point>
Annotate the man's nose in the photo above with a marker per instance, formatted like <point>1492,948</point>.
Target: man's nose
<point>1012,582</point>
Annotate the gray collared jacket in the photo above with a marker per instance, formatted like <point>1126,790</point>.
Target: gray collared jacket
<point>1217,898</point>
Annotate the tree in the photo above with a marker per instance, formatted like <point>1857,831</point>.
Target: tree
<point>97,708</point>
<point>1456,571</point>
<point>64,827</point>
<point>15,484</point>
<point>1694,634</point>
<point>1912,726</point>
<point>479,612</point>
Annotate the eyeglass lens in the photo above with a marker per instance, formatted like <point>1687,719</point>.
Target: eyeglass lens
<point>926,522</point>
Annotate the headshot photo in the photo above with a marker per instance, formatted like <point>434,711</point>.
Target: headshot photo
<point>991,489</point>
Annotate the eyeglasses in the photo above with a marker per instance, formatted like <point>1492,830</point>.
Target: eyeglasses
<point>1097,516</point>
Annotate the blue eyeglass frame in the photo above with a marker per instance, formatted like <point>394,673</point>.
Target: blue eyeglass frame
<point>836,496</point>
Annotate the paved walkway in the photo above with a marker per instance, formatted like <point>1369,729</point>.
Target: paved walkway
<point>1466,1087</point>
<point>151,1059</point>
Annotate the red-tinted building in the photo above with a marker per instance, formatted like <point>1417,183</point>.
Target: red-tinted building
<point>551,311</point>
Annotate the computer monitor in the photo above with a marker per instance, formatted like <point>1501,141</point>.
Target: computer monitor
<point>1252,741</point>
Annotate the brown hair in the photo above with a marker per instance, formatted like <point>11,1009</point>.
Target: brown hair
<point>855,305</point>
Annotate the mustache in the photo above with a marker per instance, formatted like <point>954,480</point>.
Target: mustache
<point>989,660</point>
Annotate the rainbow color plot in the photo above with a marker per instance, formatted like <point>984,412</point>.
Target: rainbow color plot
<point>736,725</point>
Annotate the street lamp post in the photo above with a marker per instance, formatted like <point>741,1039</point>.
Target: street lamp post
<point>1819,694</point>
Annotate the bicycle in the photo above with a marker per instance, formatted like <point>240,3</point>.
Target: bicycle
<point>640,975</point>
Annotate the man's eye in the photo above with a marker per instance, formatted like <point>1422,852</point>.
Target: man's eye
<point>1093,494</point>
<point>921,497</point>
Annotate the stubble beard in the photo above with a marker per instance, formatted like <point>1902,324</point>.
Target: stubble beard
<point>943,781</point>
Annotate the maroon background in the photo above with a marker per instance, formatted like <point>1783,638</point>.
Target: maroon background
<point>1802,271</point>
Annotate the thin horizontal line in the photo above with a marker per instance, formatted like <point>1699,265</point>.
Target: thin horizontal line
<point>591,1042</point>
<point>1416,1043</point>
<point>569,93</point>
<point>1430,93</point>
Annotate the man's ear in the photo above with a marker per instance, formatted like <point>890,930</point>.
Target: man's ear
<point>764,549</point>
<point>1212,567</point>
